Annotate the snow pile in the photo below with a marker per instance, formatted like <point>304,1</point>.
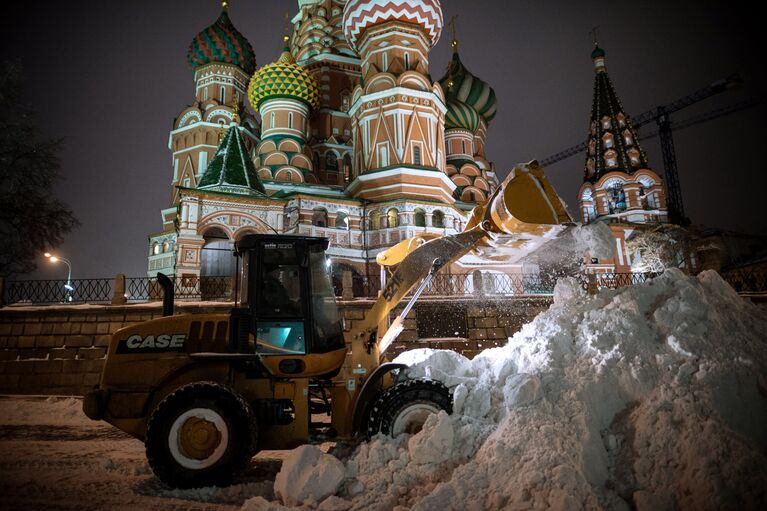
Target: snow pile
<point>649,397</point>
<point>308,475</point>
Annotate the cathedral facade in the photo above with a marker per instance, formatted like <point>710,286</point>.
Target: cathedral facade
<point>343,136</point>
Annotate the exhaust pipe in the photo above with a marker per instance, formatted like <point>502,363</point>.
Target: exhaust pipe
<point>167,294</point>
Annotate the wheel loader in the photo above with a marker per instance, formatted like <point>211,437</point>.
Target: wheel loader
<point>205,392</point>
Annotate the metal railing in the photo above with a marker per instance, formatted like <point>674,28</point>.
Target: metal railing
<point>611,280</point>
<point>144,289</point>
<point>55,291</point>
<point>137,289</point>
<point>747,280</point>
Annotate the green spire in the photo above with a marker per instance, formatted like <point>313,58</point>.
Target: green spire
<point>231,170</point>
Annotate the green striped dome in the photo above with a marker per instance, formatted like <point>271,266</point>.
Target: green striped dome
<point>221,42</point>
<point>284,79</point>
<point>462,116</point>
<point>468,89</point>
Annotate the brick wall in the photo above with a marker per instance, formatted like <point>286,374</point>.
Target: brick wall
<point>61,349</point>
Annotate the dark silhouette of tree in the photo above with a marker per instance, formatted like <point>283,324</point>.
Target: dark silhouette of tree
<point>32,220</point>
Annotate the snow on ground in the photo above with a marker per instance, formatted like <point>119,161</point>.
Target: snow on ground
<point>53,457</point>
<point>650,397</point>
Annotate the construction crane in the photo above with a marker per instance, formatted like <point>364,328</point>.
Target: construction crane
<point>662,117</point>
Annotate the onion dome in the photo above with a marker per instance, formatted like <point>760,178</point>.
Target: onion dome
<point>231,170</point>
<point>361,14</point>
<point>221,42</point>
<point>598,52</point>
<point>284,79</point>
<point>462,116</point>
<point>460,85</point>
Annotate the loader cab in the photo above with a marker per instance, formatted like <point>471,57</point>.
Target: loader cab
<point>288,306</point>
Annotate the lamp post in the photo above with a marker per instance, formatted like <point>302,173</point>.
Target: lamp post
<point>68,285</point>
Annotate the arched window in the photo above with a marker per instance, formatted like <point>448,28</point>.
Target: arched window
<point>592,146</point>
<point>438,219</point>
<point>420,218</point>
<point>608,140</point>
<point>217,260</point>
<point>407,61</point>
<point>634,157</point>
<point>621,119</point>
<point>606,124</point>
<point>611,159</point>
<point>331,161</point>
<point>375,220</point>
<point>205,94</point>
<point>347,168</point>
<point>271,120</point>
<point>166,247</point>
<point>320,217</point>
<point>416,154</point>
<point>155,248</point>
<point>342,220</point>
<point>290,120</point>
<point>222,95</point>
<point>616,197</point>
<point>628,138</point>
<point>463,147</point>
<point>392,218</point>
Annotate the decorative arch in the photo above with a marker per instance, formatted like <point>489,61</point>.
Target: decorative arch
<point>381,82</point>
<point>266,146</point>
<point>413,80</point>
<point>301,161</point>
<point>392,218</point>
<point>289,145</point>
<point>289,175</point>
<point>438,219</point>
<point>320,217</point>
<point>276,158</point>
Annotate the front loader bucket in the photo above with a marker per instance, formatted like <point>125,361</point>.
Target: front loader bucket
<point>524,203</point>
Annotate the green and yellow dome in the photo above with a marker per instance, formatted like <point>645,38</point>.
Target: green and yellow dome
<point>284,79</point>
<point>460,85</point>
<point>461,116</point>
<point>223,43</point>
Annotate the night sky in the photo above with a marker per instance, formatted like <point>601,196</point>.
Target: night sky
<point>110,77</point>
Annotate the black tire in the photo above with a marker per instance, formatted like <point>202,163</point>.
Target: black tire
<point>404,407</point>
<point>220,431</point>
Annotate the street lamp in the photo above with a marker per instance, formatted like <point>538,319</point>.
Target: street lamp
<point>68,285</point>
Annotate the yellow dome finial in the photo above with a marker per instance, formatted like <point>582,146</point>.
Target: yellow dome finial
<point>225,5</point>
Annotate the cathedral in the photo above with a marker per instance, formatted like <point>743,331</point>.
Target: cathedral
<point>343,136</point>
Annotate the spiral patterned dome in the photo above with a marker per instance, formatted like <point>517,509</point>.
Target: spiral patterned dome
<point>221,42</point>
<point>284,79</point>
<point>462,116</point>
<point>469,89</point>
<point>361,14</point>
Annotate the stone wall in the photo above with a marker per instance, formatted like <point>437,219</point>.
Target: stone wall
<point>61,349</point>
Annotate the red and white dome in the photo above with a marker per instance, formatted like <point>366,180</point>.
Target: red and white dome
<point>361,14</point>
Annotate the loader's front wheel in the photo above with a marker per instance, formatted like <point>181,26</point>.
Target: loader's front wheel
<point>200,435</point>
<point>404,407</point>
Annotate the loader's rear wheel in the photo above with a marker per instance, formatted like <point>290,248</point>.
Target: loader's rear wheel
<point>200,435</point>
<point>404,407</point>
